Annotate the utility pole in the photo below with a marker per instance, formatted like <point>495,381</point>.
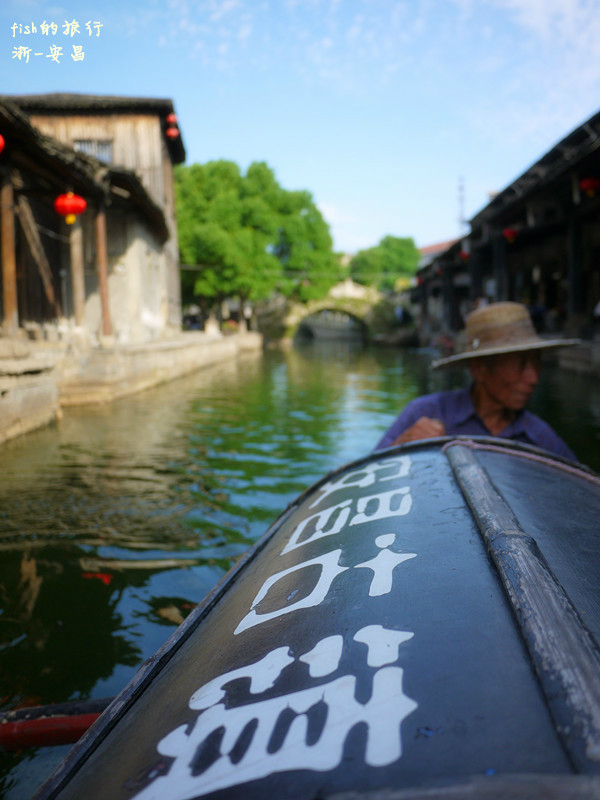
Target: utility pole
<point>462,222</point>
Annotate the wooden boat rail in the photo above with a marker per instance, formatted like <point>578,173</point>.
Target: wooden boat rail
<point>565,655</point>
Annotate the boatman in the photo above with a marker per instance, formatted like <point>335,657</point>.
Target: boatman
<point>503,354</point>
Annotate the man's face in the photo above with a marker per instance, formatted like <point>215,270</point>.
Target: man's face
<point>509,379</point>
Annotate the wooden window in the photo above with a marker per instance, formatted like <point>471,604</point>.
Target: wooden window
<point>99,148</point>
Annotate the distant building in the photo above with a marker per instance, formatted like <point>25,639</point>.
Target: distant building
<point>431,251</point>
<point>537,242</point>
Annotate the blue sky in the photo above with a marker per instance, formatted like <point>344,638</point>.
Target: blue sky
<point>379,108</point>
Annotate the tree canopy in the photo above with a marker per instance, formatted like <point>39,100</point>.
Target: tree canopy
<point>245,236</point>
<point>382,265</point>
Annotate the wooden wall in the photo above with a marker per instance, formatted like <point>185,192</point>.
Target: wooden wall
<point>137,142</point>
<point>138,145</point>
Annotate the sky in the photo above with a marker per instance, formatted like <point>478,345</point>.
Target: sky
<point>400,117</point>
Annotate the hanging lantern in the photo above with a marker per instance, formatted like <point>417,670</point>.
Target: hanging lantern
<point>464,255</point>
<point>172,132</point>
<point>589,185</point>
<point>2,143</point>
<point>171,119</point>
<point>69,205</point>
<point>510,234</point>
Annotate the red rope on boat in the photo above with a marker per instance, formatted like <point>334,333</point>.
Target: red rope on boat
<point>45,731</point>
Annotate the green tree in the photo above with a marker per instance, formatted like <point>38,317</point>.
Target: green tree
<point>304,248</point>
<point>225,225</point>
<point>247,237</point>
<point>382,265</point>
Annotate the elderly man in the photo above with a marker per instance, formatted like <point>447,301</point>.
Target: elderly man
<point>503,354</point>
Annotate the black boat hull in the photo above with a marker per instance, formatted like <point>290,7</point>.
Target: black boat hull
<point>382,635</point>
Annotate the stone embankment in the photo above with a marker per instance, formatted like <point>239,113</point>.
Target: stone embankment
<point>37,379</point>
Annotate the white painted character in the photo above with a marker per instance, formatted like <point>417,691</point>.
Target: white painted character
<point>375,471</point>
<point>332,520</point>
<point>194,774</point>
<point>382,566</point>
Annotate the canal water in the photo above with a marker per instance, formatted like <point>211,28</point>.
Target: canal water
<point>117,521</point>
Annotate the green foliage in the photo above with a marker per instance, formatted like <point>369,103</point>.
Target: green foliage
<point>304,249</point>
<point>248,237</point>
<point>382,265</point>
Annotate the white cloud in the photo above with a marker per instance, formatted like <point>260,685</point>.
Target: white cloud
<point>222,8</point>
<point>546,17</point>
<point>539,70</point>
<point>244,31</point>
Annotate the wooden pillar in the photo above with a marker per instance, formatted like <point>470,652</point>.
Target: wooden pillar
<point>102,267</point>
<point>447,315</point>
<point>77,276</point>
<point>425,326</point>
<point>500,260</point>
<point>475,275</point>
<point>575,268</point>
<point>9,260</point>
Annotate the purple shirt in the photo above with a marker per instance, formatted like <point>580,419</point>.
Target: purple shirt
<point>455,409</point>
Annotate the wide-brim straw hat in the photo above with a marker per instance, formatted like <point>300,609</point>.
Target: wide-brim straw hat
<point>500,328</point>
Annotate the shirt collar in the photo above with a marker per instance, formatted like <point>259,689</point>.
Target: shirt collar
<point>465,410</point>
<point>464,407</point>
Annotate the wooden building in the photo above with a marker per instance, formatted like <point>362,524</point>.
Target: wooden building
<point>114,273</point>
<point>91,311</point>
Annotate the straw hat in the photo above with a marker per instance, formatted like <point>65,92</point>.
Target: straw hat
<point>500,328</point>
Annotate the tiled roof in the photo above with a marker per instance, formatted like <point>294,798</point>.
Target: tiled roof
<point>66,101</point>
<point>582,142</point>
<point>432,249</point>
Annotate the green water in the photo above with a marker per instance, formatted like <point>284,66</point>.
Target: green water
<point>117,521</point>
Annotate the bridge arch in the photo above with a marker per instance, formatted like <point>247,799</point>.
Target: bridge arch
<point>332,323</point>
<point>349,298</point>
<point>280,319</point>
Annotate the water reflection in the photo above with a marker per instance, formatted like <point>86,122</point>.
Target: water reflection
<point>116,522</point>
<point>51,645</point>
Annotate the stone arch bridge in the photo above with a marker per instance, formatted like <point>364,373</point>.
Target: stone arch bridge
<point>281,319</point>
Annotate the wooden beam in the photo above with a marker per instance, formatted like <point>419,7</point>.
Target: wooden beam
<point>9,262</point>
<point>77,276</point>
<point>102,267</point>
<point>37,251</point>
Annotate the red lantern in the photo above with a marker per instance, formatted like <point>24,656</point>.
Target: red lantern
<point>2,143</point>
<point>69,205</point>
<point>171,119</point>
<point>589,185</point>
<point>172,133</point>
<point>464,255</point>
<point>510,234</point>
